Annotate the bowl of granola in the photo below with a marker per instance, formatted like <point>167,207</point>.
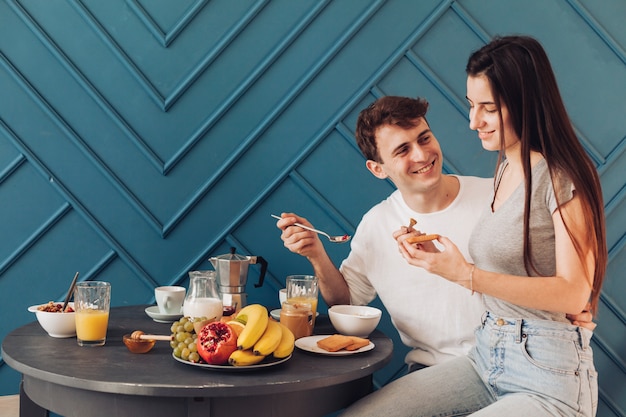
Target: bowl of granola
<point>55,322</point>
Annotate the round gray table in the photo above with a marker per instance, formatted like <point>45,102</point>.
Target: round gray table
<point>60,376</point>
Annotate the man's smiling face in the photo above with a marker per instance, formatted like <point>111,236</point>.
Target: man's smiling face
<point>411,157</point>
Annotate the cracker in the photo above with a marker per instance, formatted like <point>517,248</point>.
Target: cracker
<point>357,343</point>
<point>422,238</point>
<point>335,342</point>
<point>338,342</point>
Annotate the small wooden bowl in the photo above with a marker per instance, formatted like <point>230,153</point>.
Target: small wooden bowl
<point>138,345</point>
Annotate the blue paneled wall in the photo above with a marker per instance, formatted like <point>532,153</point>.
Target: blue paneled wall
<point>138,137</point>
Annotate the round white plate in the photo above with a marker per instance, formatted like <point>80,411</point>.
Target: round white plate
<point>267,362</point>
<point>309,344</point>
<point>275,314</point>
<point>156,315</point>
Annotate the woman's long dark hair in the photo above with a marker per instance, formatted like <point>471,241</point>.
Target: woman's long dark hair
<point>522,79</point>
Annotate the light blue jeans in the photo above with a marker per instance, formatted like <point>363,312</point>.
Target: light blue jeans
<point>518,368</point>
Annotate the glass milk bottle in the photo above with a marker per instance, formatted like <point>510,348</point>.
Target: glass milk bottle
<point>203,299</point>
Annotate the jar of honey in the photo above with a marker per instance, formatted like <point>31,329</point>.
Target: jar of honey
<point>297,317</point>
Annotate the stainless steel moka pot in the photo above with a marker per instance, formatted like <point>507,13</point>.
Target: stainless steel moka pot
<point>232,275</point>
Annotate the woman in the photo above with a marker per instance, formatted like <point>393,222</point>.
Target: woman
<point>539,251</point>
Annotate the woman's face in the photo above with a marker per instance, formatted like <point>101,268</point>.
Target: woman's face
<point>485,116</point>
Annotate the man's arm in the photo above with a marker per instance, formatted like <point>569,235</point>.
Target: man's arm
<point>333,286</point>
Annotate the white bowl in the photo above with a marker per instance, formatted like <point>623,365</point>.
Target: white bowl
<point>354,320</point>
<point>282,295</point>
<point>56,324</point>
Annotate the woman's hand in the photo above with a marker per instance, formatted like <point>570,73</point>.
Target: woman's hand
<point>404,233</point>
<point>449,263</point>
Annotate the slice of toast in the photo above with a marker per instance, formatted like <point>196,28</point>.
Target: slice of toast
<point>338,342</point>
<point>422,238</point>
<point>334,343</point>
<point>357,343</point>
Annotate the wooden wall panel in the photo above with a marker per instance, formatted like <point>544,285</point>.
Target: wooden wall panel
<point>138,138</point>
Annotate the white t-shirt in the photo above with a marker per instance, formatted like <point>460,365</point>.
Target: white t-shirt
<point>433,316</point>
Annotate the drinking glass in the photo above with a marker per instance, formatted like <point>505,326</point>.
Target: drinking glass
<point>303,289</point>
<point>92,301</point>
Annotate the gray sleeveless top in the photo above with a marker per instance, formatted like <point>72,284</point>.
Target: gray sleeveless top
<point>496,244</point>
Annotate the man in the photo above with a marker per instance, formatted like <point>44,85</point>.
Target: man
<point>434,317</point>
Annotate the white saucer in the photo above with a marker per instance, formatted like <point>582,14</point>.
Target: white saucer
<point>275,314</point>
<point>156,315</point>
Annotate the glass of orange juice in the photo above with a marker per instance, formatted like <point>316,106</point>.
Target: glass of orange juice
<point>303,289</point>
<point>92,301</point>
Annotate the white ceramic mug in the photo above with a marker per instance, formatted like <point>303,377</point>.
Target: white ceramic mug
<point>282,295</point>
<point>170,299</point>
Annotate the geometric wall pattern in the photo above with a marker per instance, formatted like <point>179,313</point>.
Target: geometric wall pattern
<point>140,137</point>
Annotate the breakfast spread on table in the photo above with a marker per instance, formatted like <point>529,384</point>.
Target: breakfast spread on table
<point>249,338</point>
<point>246,339</point>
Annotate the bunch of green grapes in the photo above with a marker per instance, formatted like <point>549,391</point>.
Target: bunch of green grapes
<point>184,339</point>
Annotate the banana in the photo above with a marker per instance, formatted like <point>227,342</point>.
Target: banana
<point>270,340</point>
<point>255,317</point>
<point>244,358</point>
<point>287,343</point>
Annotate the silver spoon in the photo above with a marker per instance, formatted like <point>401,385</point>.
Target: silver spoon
<point>69,292</point>
<point>334,239</point>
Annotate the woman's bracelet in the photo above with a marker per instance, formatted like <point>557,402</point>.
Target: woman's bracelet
<point>471,279</point>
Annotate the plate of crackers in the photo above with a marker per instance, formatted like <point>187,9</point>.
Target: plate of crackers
<point>334,345</point>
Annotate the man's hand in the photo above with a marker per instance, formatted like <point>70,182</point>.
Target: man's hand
<point>333,286</point>
<point>583,319</point>
<point>299,240</point>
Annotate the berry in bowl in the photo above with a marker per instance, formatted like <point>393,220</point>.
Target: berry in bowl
<point>55,322</point>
